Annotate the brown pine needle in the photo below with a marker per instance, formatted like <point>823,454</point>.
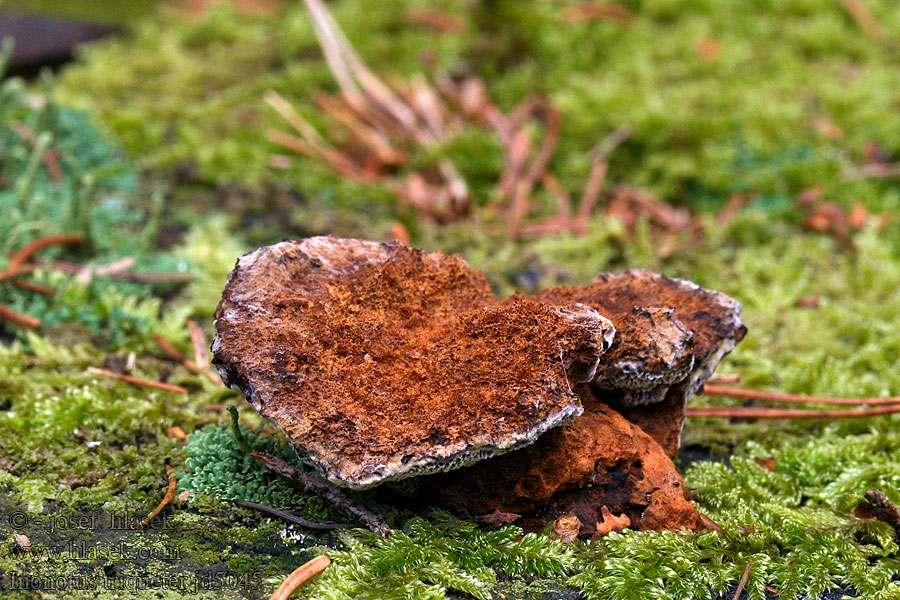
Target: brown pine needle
<point>137,380</point>
<point>33,287</point>
<point>173,353</point>
<point>10,273</point>
<point>863,17</point>
<point>730,392</point>
<point>301,576</point>
<point>19,320</point>
<point>743,581</point>
<point>170,495</point>
<point>28,251</point>
<point>757,412</point>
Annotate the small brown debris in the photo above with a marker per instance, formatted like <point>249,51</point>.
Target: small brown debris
<point>167,499</point>
<point>611,523</point>
<point>877,505</point>
<point>863,17</point>
<point>566,528</point>
<point>499,518</point>
<point>710,524</point>
<point>183,496</point>
<point>709,48</point>
<point>22,541</point>
<point>437,20</point>
<point>808,301</point>
<point>766,463</point>
<point>176,432</point>
<point>597,11</point>
<point>859,215</point>
<point>301,576</point>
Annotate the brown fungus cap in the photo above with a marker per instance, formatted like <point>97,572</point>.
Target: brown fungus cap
<point>381,361</point>
<point>670,336</point>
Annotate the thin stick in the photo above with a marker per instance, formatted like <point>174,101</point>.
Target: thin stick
<point>33,287</point>
<point>335,496</point>
<point>19,320</point>
<point>170,495</point>
<point>756,412</point>
<point>137,380</point>
<point>288,516</point>
<point>301,576</point>
<point>730,392</point>
<point>743,581</point>
<point>28,251</point>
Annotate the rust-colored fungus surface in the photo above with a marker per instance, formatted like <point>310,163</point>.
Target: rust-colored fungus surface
<point>598,460</point>
<point>670,336</point>
<point>381,361</point>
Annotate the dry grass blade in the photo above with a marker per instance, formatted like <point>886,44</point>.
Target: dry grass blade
<point>301,576</point>
<point>137,380</point>
<point>730,392</point>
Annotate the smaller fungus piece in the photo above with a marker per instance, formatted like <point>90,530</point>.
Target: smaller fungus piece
<point>381,361</point>
<point>599,460</point>
<point>610,523</point>
<point>671,335</point>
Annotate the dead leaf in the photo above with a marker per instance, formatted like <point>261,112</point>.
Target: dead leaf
<point>23,541</point>
<point>499,518</point>
<point>566,528</point>
<point>611,523</point>
<point>176,432</point>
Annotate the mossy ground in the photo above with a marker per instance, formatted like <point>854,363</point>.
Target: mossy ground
<point>180,181</point>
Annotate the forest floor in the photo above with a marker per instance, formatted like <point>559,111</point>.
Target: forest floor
<point>757,156</point>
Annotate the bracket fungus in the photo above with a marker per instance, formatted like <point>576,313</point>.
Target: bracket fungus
<point>382,362</point>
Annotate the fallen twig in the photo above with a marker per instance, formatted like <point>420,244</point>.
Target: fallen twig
<point>756,412</point>
<point>730,392</point>
<point>335,496</point>
<point>288,516</point>
<point>301,576</point>
<point>137,380</point>
<point>170,495</point>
